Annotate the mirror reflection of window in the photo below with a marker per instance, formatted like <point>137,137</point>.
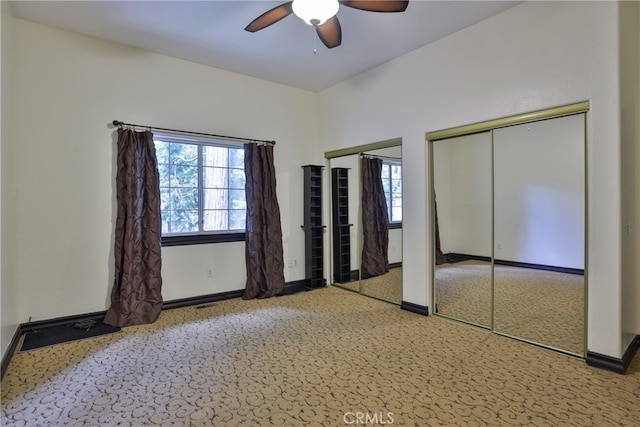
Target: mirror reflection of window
<point>388,286</point>
<point>392,184</point>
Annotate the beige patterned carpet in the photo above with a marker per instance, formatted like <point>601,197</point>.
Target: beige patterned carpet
<point>544,307</point>
<point>320,358</point>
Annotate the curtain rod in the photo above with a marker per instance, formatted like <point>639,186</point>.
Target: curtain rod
<point>373,156</point>
<point>235,138</point>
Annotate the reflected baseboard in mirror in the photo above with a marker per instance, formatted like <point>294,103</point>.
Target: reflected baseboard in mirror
<point>353,284</point>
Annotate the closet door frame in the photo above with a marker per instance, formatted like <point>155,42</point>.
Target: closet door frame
<point>490,126</point>
<point>349,151</point>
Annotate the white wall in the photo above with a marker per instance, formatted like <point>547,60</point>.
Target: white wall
<point>462,182</point>
<point>3,346</point>
<point>534,56</point>
<point>539,192</point>
<point>66,90</point>
<point>442,189</point>
<point>630,108</point>
<point>395,245</point>
<point>8,291</point>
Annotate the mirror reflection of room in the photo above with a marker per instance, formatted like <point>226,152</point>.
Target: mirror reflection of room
<point>539,213</point>
<point>345,194</point>
<point>373,265</point>
<point>381,224</point>
<point>462,190</point>
<point>509,230</point>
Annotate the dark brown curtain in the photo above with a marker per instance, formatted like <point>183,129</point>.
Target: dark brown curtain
<point>136,295</point>
<point>440,259</point>
<point>375,220</point>
<point>263,246</point>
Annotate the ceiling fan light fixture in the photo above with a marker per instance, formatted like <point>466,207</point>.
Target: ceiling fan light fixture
<point>315,12</point>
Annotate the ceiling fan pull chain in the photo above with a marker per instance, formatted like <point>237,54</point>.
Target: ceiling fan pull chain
<point>315,42</point>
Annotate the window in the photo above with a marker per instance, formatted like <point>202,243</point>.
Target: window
<point>392,184</point>
<point>201,189</point>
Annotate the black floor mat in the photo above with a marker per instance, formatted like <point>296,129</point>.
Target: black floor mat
<point>65,333</point>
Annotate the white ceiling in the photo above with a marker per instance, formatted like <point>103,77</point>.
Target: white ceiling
<point>212,33</point>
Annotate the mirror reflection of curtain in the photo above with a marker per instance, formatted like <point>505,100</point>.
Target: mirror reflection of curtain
<point>440,258</point>
<point>263,247</point>
<point>375,220</point>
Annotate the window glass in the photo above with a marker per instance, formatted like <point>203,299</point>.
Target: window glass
<point>201,187</point>
<point>392,185</point>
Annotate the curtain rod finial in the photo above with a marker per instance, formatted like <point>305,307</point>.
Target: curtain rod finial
<point>116,122</point>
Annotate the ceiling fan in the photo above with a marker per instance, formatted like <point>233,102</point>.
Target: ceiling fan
<point>322,15</point>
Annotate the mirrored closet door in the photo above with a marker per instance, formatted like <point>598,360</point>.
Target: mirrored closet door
<point>508,202</point>
<point>373,266</point>
<point>539,232</point>
<point>345,214</point>
<point>462,195</point>
<point>382,281</point>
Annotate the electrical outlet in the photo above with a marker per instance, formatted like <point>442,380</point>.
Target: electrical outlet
<point>209,273</point>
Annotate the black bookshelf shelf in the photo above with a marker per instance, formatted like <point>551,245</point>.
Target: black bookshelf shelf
<point>313,227</point>
<point>341,227</point>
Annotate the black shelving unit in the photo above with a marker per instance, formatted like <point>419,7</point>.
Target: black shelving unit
<point>340,225</point>
<point>313,227</point>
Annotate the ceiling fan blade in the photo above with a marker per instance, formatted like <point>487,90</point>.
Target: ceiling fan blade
<point>330,32</point>
<point>270,17</point>
<point>377,5</point>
